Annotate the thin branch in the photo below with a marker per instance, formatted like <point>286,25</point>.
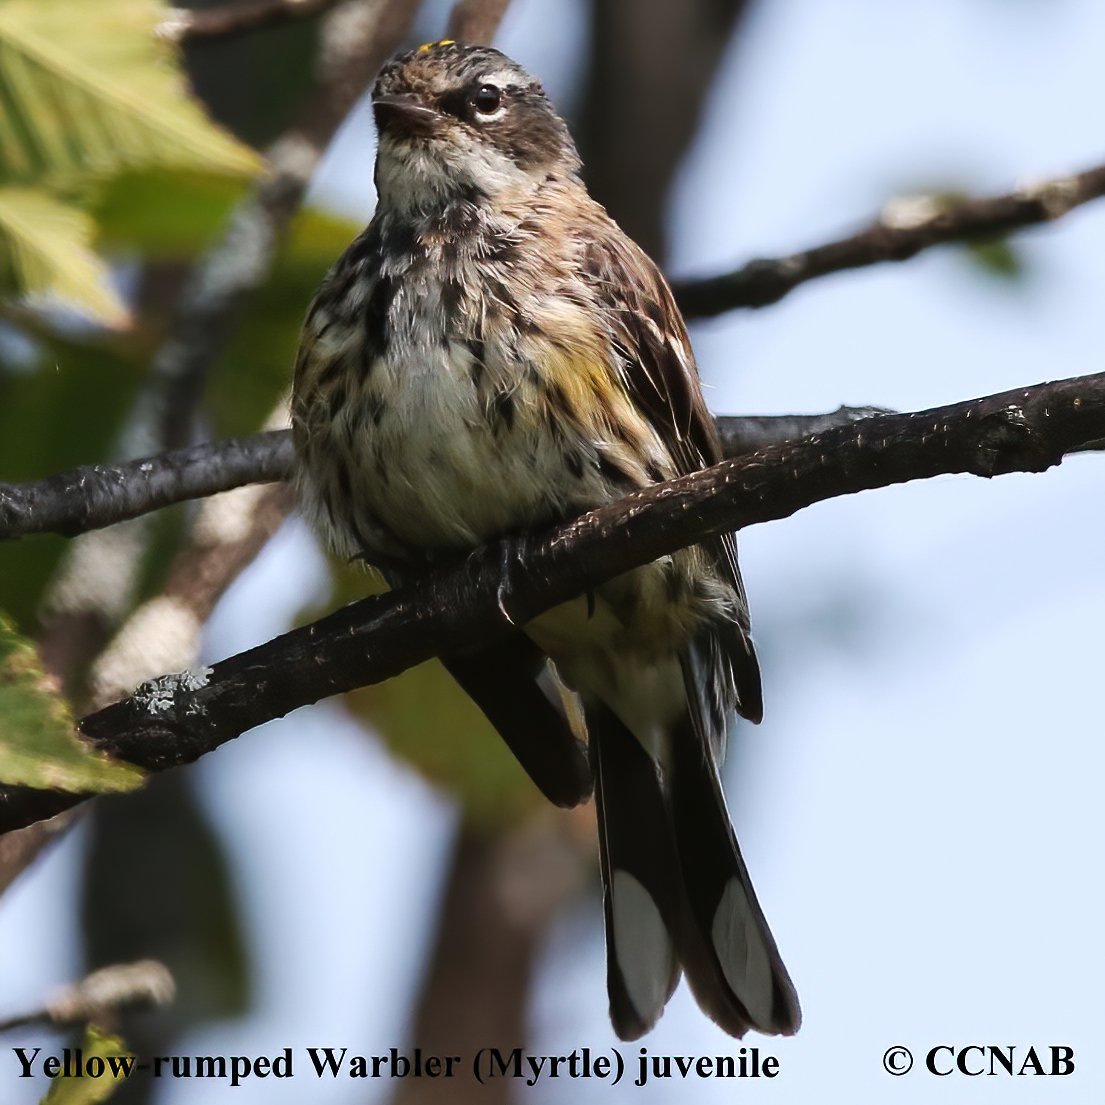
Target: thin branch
<point>114,494</point>
<point>898,234</point>
<point>176,719</point>
<point>19,850</point>
<point>903,229</point>
<point>476,20</point>
<point>96,495</point>
<point>200,24</point>
<point>107,990</point>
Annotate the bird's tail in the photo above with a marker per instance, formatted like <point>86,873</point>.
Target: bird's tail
<point>676,892</point>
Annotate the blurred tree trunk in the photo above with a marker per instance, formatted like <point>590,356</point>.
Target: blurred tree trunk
<point>504,888</point>
<point>156,885</point>
<point>652,66</point>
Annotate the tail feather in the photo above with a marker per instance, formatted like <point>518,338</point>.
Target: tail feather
<point>676,893</point>
<point>505,680</point>
<point>728,953</point>
<point>641,896</point>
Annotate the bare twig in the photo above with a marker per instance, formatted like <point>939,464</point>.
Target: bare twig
<point>114,493</point>
<point>19,850</point>
<point>177,719</point>
<point>476,20</point>
<point>903,229</point>
<point>97,495</point>
<point>108,990</point>
<point>200,24</point>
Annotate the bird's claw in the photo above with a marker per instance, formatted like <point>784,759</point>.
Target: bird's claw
<point>511,551</point>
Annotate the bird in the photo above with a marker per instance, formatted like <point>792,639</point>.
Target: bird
<point>494,354</point>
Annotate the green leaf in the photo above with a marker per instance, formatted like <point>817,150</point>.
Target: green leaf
<point>38,742</point>
<point>89,1091</point>
<point>165,213</point>
<point>74,394</point>
<point>46,249</point>
<point>157,883</point>
<point>999,258</point>
<point>89,87</point>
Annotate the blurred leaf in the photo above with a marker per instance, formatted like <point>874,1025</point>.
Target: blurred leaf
<point>90,87</point>
<point>257,367</point>
<point>157,884</point>
<point>38,742</point>
<point>998,258</point>
<point>45,249</point>
<point>165,213</point>
<point>426,719</point>
<point>89,1091</point>
<point>74,400</point>
<point>256,83</point>
<point>84,94</point>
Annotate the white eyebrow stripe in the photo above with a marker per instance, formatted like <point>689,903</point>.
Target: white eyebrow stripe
<point>501,77</point>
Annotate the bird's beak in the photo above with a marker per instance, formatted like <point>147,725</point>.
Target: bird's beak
<point>403,115</point>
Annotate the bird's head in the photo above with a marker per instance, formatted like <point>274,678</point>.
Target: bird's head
<point>463,121</point>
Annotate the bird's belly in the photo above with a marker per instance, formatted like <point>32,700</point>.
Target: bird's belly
<point>447,465</point>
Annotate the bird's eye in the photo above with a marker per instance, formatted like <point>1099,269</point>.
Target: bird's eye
<point>487,99</point>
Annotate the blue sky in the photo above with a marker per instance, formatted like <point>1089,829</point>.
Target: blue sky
<point>920,809</point>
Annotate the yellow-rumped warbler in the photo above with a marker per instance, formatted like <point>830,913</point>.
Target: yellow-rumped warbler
<point>494,354</point>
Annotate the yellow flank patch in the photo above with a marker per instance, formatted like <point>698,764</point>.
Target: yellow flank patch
<point>440,42</point>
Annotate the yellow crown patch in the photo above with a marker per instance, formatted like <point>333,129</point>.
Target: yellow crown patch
<point>426,46</point>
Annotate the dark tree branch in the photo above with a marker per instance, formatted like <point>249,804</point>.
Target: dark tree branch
<point>476,20</point>
<point>199,24</point>
<point>176,719</point>
<point>116,494</point>
<point>903,230</point>
<point>97,495</point>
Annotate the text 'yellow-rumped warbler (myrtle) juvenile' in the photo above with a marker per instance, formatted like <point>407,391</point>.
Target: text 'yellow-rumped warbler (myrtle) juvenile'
<point>494,354</point>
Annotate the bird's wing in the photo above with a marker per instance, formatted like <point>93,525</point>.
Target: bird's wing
<point>659,371</point>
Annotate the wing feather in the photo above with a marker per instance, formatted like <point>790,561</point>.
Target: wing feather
<point>659,370</point>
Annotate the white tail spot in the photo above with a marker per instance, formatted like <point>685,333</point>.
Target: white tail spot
<point>642,946</point>
<point>744,957</point>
